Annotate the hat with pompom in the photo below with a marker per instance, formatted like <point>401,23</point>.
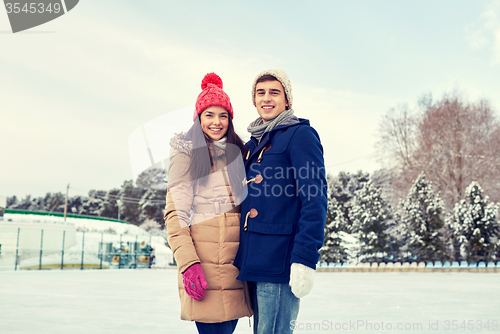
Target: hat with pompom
<point>212,95</point>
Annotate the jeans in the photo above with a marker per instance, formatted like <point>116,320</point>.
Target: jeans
<point>274,307</point>
<point>226,327</point>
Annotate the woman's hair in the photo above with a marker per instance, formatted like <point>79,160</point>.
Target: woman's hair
<point>201,160</point>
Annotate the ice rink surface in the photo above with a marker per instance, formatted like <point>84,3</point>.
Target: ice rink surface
<point>146,301</point>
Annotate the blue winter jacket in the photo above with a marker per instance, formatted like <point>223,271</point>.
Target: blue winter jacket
<point>283,216</point>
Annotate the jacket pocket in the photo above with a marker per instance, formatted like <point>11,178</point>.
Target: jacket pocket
<point>268,247</point>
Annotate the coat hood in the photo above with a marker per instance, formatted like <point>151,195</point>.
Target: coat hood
<point>181,143</point>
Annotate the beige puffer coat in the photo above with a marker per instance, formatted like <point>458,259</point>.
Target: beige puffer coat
<point>208,238</point>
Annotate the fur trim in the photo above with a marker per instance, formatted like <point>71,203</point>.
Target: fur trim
<point>180,143</point>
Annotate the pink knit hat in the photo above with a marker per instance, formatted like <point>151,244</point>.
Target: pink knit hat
<point>212,95</point>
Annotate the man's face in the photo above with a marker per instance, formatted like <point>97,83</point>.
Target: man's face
<point>270,99</point>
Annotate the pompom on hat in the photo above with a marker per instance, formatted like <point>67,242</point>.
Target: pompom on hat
<point>282,77</point>
<point>212,95</point>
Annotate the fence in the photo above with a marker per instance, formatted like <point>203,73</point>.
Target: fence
<point>77,250</point>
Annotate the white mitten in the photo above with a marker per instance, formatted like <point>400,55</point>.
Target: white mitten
<point>301,279</point>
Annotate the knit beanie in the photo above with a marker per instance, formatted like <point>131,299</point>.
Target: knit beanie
<point>282,77</point>
<point>212,95</point>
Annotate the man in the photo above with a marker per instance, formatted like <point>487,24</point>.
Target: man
<point>284,214</point>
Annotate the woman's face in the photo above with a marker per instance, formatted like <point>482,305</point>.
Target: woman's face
<point>214,122</point>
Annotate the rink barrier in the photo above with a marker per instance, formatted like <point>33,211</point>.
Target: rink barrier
<point>133,253</point>
<point>39,252</point>
<point>424,267</point>
<point>66,266</point>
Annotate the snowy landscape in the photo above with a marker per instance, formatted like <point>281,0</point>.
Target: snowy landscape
<point>146,301</point>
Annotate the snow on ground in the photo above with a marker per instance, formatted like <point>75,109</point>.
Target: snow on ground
<point>146,301</point>
<point>71,258</point>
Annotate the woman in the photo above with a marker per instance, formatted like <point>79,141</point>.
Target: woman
<point>206,176</point>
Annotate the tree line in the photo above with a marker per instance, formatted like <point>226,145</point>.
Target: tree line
<point>429,203</point>
<point>417,229</point>
<point>137,204</point>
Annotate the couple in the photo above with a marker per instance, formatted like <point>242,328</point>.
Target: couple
<point>240,255</point>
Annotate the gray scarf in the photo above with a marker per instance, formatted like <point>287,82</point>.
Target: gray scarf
<point>221,143</point>
<point>258,128</point>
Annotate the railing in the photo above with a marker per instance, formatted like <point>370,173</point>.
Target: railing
<point>102,252</point>
<point>437,266</point>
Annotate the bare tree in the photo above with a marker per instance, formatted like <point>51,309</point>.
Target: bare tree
<point>453,141</point>
<point>396,147</point>
<point>397,137</point>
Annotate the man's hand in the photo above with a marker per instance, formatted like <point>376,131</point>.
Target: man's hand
<point>301,279</point>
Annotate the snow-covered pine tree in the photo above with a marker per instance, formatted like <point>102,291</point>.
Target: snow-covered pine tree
<point>154,228</point>
<point>370,217</point>
<point>23,204</point>
<point>152,178</point>
<point>399,234</point>
<point>54,202</point>
<point>38,204</point>
<point>49,203</point>
<point>129,202</point>
<point>110,205</point>
<point>75,204</point>
<point>11,201</point>
<point>151,206</point>
<point>153,183</point>
<point>422,216</point>
<point>333,250</point>
<point>383,180</point>
<point>342,188</point>
<point>93,204</point>
<point>475,225</point>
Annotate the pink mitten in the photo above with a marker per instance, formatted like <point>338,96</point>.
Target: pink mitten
<point>195,283</point>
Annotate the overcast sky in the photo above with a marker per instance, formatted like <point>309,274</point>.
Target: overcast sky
<point>73,90</point>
